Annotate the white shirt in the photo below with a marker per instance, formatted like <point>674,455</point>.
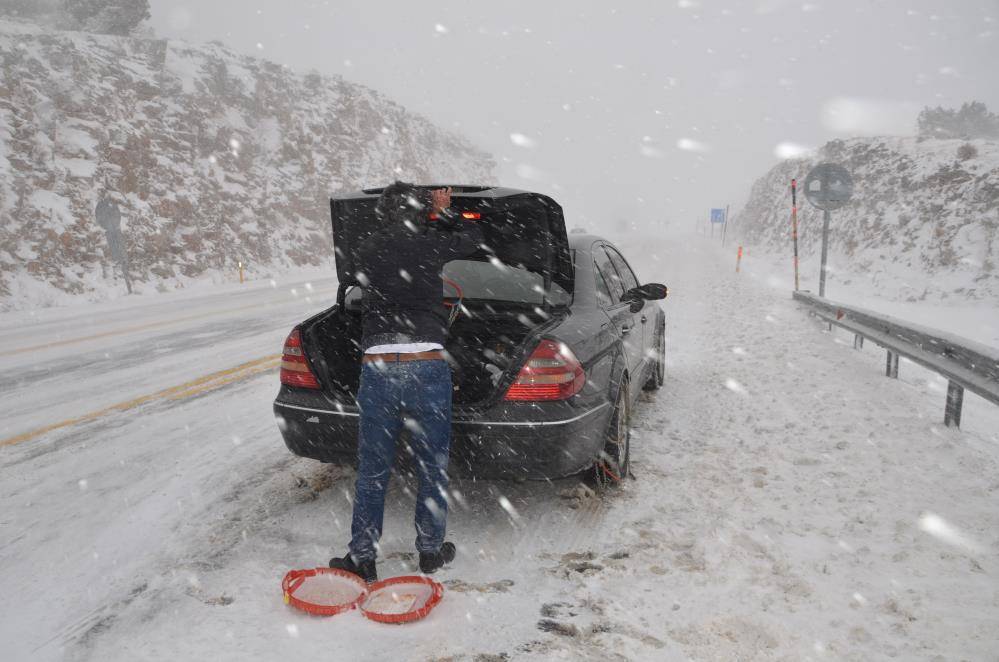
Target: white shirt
<point>404,348</point>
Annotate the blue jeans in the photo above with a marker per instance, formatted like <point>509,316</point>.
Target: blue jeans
<point>415,395</point>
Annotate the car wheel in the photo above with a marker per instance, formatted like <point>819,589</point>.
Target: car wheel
<point>614,463</point>
<point>658,375</point>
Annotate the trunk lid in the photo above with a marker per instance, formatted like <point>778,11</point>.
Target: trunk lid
<point>521,229</point>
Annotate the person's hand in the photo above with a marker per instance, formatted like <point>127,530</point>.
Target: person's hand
<point>441,198</point>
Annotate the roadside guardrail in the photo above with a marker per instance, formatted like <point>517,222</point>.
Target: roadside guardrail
<point>966,364</point>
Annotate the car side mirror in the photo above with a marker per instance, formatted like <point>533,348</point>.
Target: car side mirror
<point>636,303</point>
<point>647,292</point>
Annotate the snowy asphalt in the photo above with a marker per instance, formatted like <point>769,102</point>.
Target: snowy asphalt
<point>790,503</point>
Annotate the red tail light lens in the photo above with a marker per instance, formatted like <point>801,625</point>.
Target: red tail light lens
<point>295,369</point>
<point>551,373</point>
<point>467,215</point>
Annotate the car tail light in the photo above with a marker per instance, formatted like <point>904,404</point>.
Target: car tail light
<point>295,369</point>
<point>467,215</point>
<point>551,373</point>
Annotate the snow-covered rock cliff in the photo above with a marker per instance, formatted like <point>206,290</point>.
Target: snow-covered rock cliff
<point>923,222</point>
<point>213,158</point>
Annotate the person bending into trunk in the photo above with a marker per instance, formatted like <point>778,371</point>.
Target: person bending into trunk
<point>405,381</point>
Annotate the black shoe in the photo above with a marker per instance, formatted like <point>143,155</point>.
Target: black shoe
<point>365,570</point>
<point>431,561</point>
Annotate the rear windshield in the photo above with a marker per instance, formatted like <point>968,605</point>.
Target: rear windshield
<point>496,281</point>
<point>490,281</point>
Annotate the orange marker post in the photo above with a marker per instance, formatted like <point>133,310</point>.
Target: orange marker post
<point>241,271</point>
<point>738,260</point>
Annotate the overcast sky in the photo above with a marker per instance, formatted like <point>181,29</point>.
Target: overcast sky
<point>637,111</point>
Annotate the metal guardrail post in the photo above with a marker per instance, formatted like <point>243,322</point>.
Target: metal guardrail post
<point>891,365</point>
<point>965,364</point>
<point>955,402</point>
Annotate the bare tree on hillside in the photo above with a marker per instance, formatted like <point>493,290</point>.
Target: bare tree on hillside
<point>119,17</point>
<point>972,120</point>
<point>34,10</point>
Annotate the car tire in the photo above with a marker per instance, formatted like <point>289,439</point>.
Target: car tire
<point>658,376</point>
<point>614,463</point>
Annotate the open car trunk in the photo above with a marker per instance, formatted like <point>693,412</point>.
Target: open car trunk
<point>486,351</point>
<point>513,287</point>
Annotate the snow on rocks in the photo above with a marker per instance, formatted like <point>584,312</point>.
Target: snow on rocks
<point>213,157</point>
<point>921,225</point>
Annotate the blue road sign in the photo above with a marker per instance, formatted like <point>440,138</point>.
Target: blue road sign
<point>717,215</point>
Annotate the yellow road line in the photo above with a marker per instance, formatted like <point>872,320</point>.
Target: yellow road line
<point>187,389</point>
<point>270,365</point>
<point>139,327</point>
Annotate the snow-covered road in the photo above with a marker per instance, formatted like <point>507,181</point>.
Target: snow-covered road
<point>791,503</point>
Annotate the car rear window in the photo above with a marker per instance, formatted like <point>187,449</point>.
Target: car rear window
<point>495,281</point>
<point>491,281</point>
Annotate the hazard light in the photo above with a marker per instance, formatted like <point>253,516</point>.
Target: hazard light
<point>467,215</point>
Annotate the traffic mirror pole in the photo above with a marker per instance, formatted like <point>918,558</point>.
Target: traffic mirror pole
<point>825,252</point>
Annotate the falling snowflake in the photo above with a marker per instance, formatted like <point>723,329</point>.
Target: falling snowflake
<point>691,145</point>
<point>943,531</point>
<point>734,386</point>
<point>789,150</point>
<point>508,507</point>
<point>520,140</point>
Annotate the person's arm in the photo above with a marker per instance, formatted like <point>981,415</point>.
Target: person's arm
<point>463,237</point>
<point>461,242</point>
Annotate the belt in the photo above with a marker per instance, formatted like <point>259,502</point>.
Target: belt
<point>394,357</point>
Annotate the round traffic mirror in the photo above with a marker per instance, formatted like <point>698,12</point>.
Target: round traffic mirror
<point>828,186</point>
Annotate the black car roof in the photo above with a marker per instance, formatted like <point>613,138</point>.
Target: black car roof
<point>478,191</point>
<point>584,241</point>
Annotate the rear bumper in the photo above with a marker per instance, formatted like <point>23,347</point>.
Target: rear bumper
<point>513,440</point>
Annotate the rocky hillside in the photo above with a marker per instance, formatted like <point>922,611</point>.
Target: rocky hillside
<point>212,157</point>
<point>923,222</point>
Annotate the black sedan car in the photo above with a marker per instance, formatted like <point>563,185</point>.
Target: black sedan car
<point>551,341</point>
